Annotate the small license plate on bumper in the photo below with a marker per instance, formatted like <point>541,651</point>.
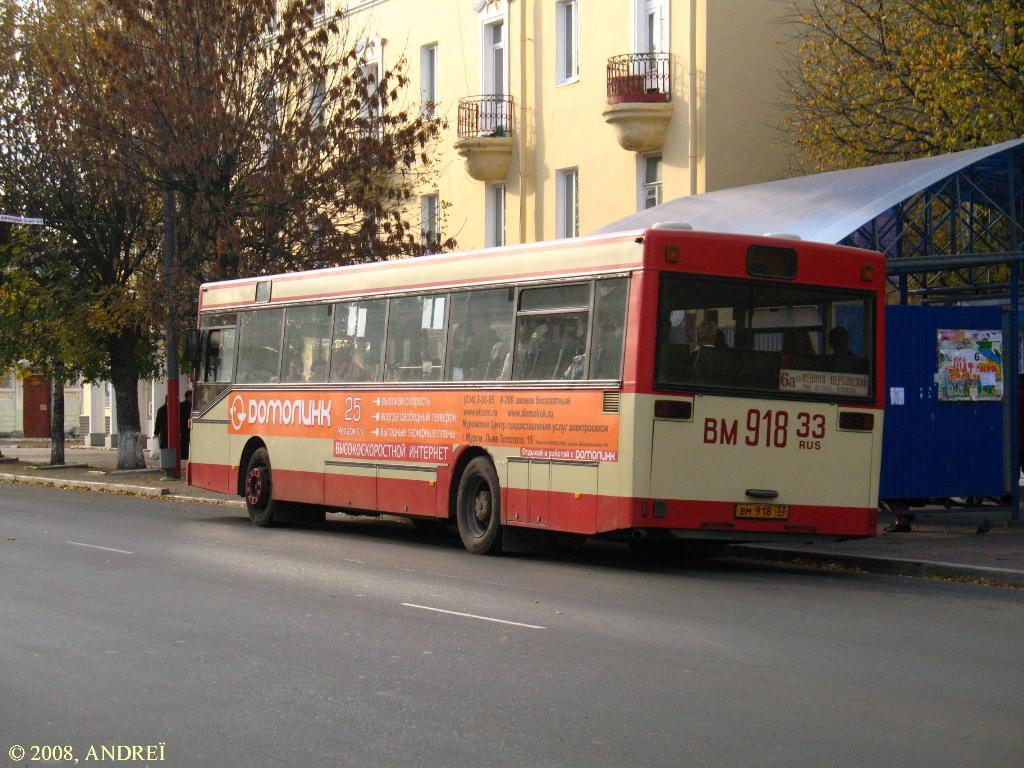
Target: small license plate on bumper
<point>762,511</point>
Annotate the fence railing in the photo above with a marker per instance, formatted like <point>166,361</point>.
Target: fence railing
<point>639,77</point>
<point>485,116</point>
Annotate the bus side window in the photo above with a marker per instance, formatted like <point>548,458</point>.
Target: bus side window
<point>480,340</point>
<point>307,338</point>
<point>415,343</point>
<point>551,332</point>
<point>259,346</point>
<point>358,341</point>
<point>608,333</point>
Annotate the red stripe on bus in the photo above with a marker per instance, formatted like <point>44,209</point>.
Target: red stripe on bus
<point>558,511</point>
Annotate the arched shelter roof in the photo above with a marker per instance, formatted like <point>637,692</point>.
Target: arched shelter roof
<point>823,207</point>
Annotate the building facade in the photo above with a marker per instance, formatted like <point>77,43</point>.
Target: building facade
<point>565,115</point>
<point>25,406</point>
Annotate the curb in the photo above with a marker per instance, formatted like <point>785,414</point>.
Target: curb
<point>88,485</point>
<point>117,488</point>
<point>888,566</point>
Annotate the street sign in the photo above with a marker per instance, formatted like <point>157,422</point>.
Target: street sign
<point>19,220</point>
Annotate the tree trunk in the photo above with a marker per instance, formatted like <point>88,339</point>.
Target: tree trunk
<point>124,375</point>
<point>57,417</point>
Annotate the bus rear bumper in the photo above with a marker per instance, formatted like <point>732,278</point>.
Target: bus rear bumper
<point>718,520</point>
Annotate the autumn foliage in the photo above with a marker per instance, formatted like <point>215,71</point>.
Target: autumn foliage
<point>283,140</point>
<point>884,80</point>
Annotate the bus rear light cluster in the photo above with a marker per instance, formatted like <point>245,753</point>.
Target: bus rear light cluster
<point>681,410</point>
<point>858,421</point>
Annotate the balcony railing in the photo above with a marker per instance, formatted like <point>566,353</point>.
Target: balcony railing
<point>634,77</point>
<point>481,116</point>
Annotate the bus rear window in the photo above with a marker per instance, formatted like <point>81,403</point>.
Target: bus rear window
<point>793,340</point>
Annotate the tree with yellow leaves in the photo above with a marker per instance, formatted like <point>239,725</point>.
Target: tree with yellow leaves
<point>884,80</point>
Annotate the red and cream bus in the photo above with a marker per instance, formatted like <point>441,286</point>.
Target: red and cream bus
<point>665,383</point>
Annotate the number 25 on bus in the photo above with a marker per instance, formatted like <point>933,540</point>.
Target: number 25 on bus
<point>662,383</point>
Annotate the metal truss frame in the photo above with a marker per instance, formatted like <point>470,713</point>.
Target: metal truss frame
<point>960,241</point>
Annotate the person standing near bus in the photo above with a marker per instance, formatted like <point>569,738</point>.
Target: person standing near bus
<point>160,425</point>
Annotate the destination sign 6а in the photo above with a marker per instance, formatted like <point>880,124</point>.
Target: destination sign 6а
<point>770,428</point>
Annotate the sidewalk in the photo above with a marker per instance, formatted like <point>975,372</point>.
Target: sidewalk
<point>941,544</point>
<point>99,473</point>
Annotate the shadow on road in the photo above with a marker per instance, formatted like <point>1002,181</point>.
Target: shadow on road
<point>542,547</point>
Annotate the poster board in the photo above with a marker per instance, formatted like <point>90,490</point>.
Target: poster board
<point>970,365</point>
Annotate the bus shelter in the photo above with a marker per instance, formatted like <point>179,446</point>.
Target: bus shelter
<point>951,229</point>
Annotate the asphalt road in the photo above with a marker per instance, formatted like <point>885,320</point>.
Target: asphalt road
<point>130,621</point>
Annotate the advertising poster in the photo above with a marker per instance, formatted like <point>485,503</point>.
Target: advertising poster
<point>970,365</point>
<point>428,426</point>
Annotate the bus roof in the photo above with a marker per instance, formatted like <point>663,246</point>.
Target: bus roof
<point>578,256</point>
<point>595,254</point>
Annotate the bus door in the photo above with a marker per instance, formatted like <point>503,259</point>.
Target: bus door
<point>209,447</point>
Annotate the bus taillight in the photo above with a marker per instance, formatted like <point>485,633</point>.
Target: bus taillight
<point>681,410</point>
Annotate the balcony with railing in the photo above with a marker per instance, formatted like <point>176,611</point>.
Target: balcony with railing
<point>640,99</point>
<point>485,127</point>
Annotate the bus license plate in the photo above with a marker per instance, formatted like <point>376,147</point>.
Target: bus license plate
<point>763,511</point>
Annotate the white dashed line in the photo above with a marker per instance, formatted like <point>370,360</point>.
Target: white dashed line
<point>473,616</point>
<point>97,546</point>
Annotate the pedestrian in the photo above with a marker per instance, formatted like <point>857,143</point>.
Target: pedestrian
<point>160,425</point>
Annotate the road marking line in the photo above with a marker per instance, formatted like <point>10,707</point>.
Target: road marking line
<point>97,546</point>
<point>473,616</point>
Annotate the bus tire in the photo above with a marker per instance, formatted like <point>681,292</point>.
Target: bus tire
<point>478,508</point>
<point>259,500</point>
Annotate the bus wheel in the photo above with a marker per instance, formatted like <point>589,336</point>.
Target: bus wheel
<point>478,508</point>
<point>258,487</point>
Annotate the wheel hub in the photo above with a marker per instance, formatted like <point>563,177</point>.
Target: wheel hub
<point>256,487</point>
<point>482,507</point>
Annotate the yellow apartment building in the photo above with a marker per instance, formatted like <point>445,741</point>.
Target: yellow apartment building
<point>565,115</point>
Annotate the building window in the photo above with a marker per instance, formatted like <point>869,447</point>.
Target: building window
<point>7,380</point>
<point>320,11</point>
<point>369,108</point>
<point>650,26</point>
<point>567,34</point>
<point>567,216</point>
<point>430,220</point>
<point>317,99</point>
<point>370,52</point>
<point>273,16</point>
<point>494,58</point>
<point>649,178</point>
<point>428,80</point>
<point>495,212</point>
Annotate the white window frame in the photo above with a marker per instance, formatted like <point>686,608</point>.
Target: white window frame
<point>320,14</point>
<point>317,93</point>
<point>429,80</point>
<point>641,180</point>
<point>371,60</point>
<point>567,198</point>
<point>430,221</point>
<point>495,211</point>
<point>640,9</point>
<point>492,12</point>
<point>567,57</point>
